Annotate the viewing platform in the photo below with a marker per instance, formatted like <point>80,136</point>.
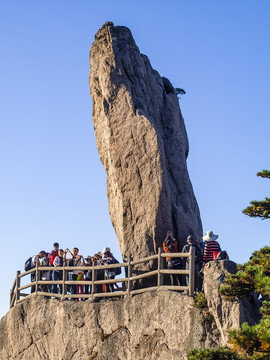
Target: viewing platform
<point>18,294</point>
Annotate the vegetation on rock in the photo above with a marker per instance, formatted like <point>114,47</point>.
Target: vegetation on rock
<point>200,301</point>
<point>261,208</point>
<point>222,353</point>
<point>252,342</point>
<point>248,342</point>
<point>252,276</point>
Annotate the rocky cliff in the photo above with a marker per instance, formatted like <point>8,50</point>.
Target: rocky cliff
<point>154,325</point>
<point>143,145</point>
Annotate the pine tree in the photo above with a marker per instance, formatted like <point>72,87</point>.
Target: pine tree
<point>252,342</point>
<point>248,342</point>
<point>261,208</point>
<point>179,92</point>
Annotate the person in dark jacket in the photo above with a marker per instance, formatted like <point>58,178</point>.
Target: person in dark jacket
<point>88,274</point>
<point>57,275</point>
<point>191,241</point>
<point>110,273</point>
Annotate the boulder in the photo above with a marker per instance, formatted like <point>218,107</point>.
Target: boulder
<point>143,145</point>
<point>227,314</point>
<point>153,325</point>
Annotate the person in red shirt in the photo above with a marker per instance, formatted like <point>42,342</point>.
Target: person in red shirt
<point>170,245</point>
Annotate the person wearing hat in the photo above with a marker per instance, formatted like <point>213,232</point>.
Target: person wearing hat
<point>97,260</point>
<point>192,241</point>
<point>110,273</point>
<point>211,246</point>
<point>36,261</point>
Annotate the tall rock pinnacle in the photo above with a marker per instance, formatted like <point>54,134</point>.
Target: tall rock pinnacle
<point>142,143</point>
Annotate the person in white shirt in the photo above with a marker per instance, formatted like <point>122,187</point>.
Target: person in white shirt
<point>76,260</point>
<point>44,275</point>
<point>35,262</point>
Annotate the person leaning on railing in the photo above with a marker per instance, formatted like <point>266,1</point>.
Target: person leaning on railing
<point>170,245</point>
<point>35,261</point>
<point>44,275</point>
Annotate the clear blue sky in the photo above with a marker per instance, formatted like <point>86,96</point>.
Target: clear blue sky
<point>52,184</point>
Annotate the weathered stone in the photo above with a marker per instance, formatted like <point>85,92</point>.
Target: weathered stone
<point>143,145</point>
<point>227,314</point>
<point>154,325</point>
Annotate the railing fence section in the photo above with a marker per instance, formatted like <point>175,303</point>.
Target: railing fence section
<point>17,293</point>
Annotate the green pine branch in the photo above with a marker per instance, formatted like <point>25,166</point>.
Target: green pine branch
<point>264,174</point>
<point>260,209</point>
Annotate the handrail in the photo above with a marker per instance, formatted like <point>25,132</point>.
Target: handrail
<point>28,272</point>
<point>172,255</point>
<point>132,273</point>
<point>139,261</point>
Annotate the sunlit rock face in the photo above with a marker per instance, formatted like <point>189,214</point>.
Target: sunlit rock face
<point>142,143</point>
<point>154,325</point>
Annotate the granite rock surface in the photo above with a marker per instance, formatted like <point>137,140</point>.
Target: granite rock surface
<point>143,145</point>
<point>227,314</point>
<point>153,325</point>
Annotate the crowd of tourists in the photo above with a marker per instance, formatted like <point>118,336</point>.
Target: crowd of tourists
<point>206,249</point>
<point>57,257</point>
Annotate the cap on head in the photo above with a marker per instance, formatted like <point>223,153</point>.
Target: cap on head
<point>99,253</point>
<point>56,244</point>
<point>106,249</point>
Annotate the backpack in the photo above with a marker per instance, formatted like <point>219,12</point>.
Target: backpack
<point>28,265</point>
<point>118,269</point>
<point>52,256</point>
<point>222,255</point>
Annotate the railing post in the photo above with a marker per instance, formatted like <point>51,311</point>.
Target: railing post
<point>160,267</point>
<point>10,299</point>
<point>18,284</point>
<point>11,295</point>
<point>64,277</point>
<point>37,277</point>
<point>93,279</point>
<point>192,270</point>
<point>129,284</point>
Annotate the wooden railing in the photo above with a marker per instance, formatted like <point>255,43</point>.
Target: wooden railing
<point>17,293</point>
